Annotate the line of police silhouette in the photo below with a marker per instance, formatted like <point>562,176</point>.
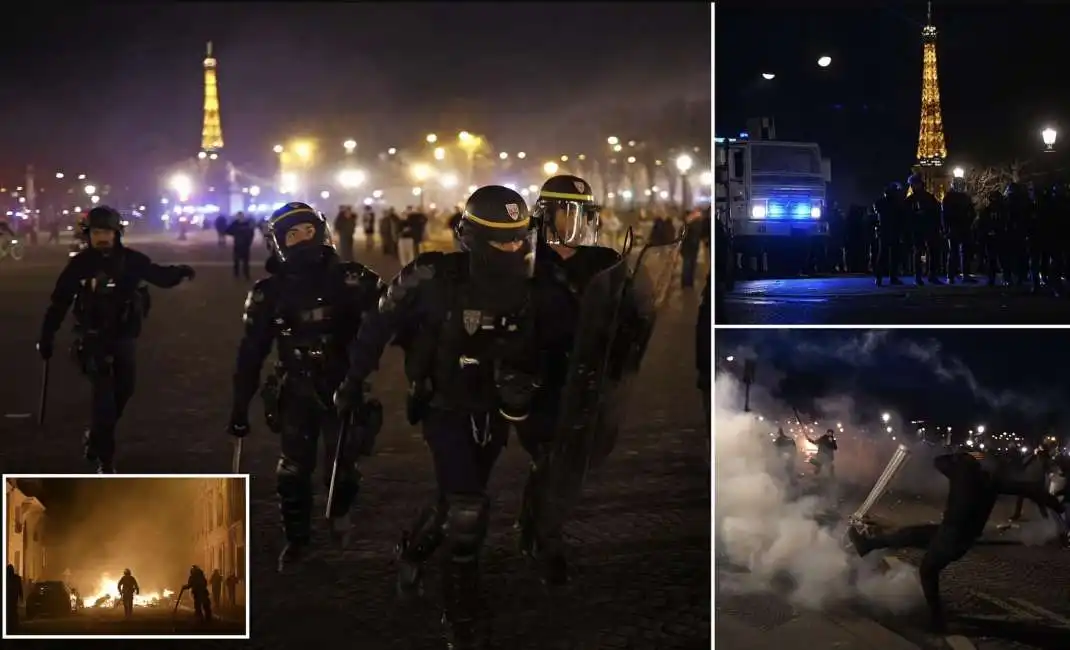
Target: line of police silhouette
<point>105,284</point>
<point>531,328</point>
<point>1016,233</point>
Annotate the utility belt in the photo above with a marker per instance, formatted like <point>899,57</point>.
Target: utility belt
<point>507,391</point>
<point>298,384</point>
<point>92,352</point>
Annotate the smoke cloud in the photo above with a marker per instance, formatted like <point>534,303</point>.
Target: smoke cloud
<point>769,535</point>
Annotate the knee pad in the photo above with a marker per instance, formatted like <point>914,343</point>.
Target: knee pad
<point>294,482</point>
<point>466,524</point>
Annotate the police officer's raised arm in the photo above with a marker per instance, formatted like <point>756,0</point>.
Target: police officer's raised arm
<point>254,347</point>
<point>63,295</point>
<point>158,275</point>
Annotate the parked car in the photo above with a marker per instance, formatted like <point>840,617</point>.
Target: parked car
<point>50,598</point>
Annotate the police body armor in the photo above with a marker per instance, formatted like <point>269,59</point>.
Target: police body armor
<point>104,311</point>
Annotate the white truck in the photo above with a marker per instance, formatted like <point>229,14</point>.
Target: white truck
<point>770,194</point>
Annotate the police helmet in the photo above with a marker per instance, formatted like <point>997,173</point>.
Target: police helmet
<point>104,218</point>
<point>297,232</point>
<point>494,214</point>
<point>565,211</point>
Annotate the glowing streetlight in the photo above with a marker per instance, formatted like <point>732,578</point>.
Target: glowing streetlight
<point>958,172</point>
<point>289,183</point>
<point>617,148</point>
<point>182,185</point>
<point>503,156</point>
<point>59,174</point>
<point>521,155</point>
<point>980,428</point>
<point>1048,135</point>
<point>94,199</point>
<point>706,178</point>
<point>684,163</point>
<point>417,191</point>
<point>278,148</point>
<point>349,145</point>
<point>81,177</point>
<point>421,172</point>
<point>449,181</point>
<point>351,178</point>
<point>613,140</point>
<point>392,150</point>
<point>440,153</point>
<point>631,160</point>
<point>431,138</point>
<point>886,417</point>
<point>564,158</point>
<point>254,191</point>
<point>325,195</point>
<point>824,61</point>
<point>627,195</point>
<point>303,150</point>
<point>464,136</point>
<point>90,190</point>
<point>550,168</point>
<point>768,76</point>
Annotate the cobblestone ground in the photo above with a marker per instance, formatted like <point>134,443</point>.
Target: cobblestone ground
<point>854,300</point>
<point>155,621</point>
<point>640,539</point>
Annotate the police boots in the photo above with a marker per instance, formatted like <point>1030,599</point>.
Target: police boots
<point>416,548</point>
<point>547,552</point>
<point>463,626</point>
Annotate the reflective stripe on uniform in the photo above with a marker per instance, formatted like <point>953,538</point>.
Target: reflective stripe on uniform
<point>290,213</point>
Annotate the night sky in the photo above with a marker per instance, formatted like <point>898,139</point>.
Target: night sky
<point>1014,376</point>
<point>116,90</point>
<point>1000,69</point>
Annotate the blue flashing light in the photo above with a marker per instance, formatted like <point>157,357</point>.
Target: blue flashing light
<point>719,140</point>
<point>743,135</point>
<point>783,208</point>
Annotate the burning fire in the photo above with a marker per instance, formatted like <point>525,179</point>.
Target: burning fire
<point>107,587</point>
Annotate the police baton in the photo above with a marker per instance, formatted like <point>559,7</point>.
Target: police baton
<point>235,460</point>
<point>343,432</point>
<point>44,394</point>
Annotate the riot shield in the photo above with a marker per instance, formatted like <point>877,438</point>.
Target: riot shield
<point>617,314</point>
<point>650,279</point>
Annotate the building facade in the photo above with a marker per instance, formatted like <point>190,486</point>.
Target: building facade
<point>25,521</point>
<point>220,536</point>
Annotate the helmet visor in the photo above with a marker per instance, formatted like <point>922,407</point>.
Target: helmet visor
<point>571,223</point>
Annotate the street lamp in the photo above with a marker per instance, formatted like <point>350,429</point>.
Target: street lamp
<point>254,191</point>
<point>503,156</point>
<point>958,172</point>
<point>885,417</point>
<point>351,178</point>
<point>824,61</point>
<point>278,148</point>
<point>768,76</point>
<point>449,181</point>
<point>180,183</point>
<point>432,138</point>
<point>90,190</point>
<point>421,172</point>
<point>59,174</point>
<point>464,136</point>
<point>325,195</point>
<point>613,140</point>
<point>350,146</point>
<point>303,149</point>
<point>550,168</point>
<point>440,153</point>
<point>1048,135</point>
<point>684,163</point>
<point>521,155</point>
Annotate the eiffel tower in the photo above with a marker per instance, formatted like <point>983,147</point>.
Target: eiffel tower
<point>219,185</point>
<point>932,146</point>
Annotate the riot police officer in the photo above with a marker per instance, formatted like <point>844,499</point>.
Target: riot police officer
<point>890,210</point>
<point>1021,229</point>
<point>991,228</point>
<point>475,327</point>
<point>104,283</point>
<point>959,216</point>
<point>926,229</point>
<point>310,307</point>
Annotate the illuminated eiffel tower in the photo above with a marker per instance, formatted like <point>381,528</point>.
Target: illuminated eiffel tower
<point>932,146</point>
<point>218,176</point>
<point>212,131</point>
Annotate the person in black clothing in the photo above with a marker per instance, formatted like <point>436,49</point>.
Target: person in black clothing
<point>1021,224</point>
<point>825,458</point>
<point>345,227</point>
<point>1035,470</point>
<point>787,452</point>
<point>974,485</point>
<point>704,351</point>
<point>128,588</point>
<point>104,283</point>
<point>12,598</point>
<point>959,216</point>
<point>475,327</point>
<point>991,227</point>
<point>926,227</point>
<point>197,585</point>
<point>217,587</point>
<point>454,225</point>
<point>231,584</point>
<point>221,230</point>
<point>368,219</point>
<point>242,231</point>
<point>690,248</point>
<point>890,211</point>
<point>309,307</point>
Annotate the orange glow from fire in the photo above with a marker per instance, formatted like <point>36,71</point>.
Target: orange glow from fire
<point>108,587</point>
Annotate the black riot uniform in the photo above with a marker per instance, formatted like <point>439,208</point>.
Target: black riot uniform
<point>959,216</point>
<point>991,229</point>
<point>197,585</point>
<point>476,327</point>
<point>1020,228</point>
<point>310,308</point>
<point>891,214</point>
<point>926,229</point>
<point>567,222</point>
<point>128,588</point>
<point>105,283</point>
<point>974,486</point>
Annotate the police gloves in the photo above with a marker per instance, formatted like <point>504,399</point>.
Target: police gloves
<point>44,348</point>
<point>349,397</point>
<point>239,425</point>
<point>187,271</point>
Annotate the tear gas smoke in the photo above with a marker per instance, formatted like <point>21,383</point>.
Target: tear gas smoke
<point>770,534</point>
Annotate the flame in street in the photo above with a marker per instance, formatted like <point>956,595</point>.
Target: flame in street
<point>107,587</point>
